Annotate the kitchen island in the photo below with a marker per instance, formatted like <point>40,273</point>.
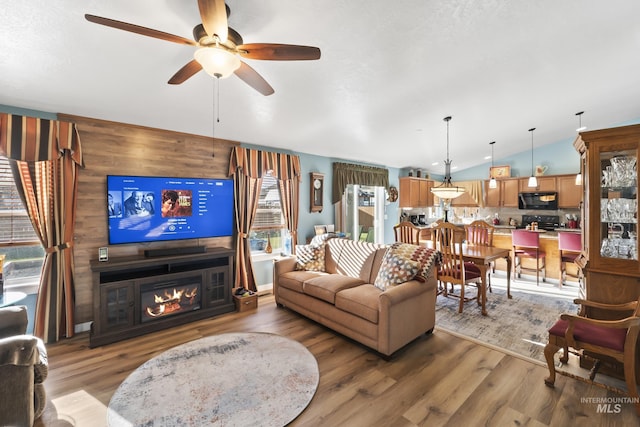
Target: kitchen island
<point>502,239</point>
<point>548,244</point>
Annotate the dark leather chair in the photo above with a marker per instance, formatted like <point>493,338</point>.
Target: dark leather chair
<point>23,369</point>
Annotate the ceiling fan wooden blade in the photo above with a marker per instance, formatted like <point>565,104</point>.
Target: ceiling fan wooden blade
<point>214,18</point>
<point>253,79</point>
<point>185,72</point>
<point>138,29</point>
<point>278,52</point>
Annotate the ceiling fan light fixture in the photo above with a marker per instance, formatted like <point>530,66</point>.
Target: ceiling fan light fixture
<point>216,61</point>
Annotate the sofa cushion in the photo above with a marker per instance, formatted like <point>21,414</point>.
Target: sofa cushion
<point>310,258</point>
<point>326,286</point>
<point>361,301</point>
<point>395,270</point>
<point>294,279</point>
<point>351,258</point>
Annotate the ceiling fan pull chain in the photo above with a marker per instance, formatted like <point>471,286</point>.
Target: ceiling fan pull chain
<point>215,117</point>
<point>218,99</point>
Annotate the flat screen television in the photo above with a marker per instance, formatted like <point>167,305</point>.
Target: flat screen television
<point>144,209</point>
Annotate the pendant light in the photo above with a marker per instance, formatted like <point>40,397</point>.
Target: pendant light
<point>533,182</point>
<point>492,182</point>
<point>447,190</point>
<point>580,129</point>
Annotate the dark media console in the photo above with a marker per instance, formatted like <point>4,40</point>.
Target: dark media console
<point>150,253</point>
<point>136,295</point>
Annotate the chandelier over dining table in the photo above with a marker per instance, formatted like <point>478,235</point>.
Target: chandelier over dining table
<point>447,190</point>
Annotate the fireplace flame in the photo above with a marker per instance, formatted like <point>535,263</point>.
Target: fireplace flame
<point>171,301</point>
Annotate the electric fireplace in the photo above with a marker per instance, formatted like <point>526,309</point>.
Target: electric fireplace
<point>159,300</point>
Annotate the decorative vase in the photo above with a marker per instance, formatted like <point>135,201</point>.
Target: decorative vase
<point>268,249</point>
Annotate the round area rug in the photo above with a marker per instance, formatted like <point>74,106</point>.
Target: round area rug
<point>236,379</point>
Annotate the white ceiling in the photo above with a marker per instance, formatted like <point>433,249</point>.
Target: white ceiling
<point>388,75</point>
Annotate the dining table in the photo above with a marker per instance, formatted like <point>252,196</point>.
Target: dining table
<point>482,256</point>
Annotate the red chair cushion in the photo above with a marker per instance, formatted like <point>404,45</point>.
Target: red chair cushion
<point>531,253</point>
<point>470,272</point>
<point>569,257</point>
<point>471,268</point>
<point>592,334</point>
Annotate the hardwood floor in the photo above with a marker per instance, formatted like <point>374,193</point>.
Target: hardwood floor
<point>438,380</point>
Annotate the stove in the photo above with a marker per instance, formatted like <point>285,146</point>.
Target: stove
<point>545,222</point>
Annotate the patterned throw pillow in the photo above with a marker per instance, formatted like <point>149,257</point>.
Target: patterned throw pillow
<point>425,256</point>
<point>394,270</point>
<point>310,258</point>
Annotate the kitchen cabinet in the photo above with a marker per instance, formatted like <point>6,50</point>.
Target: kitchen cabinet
<point>545,183</point>
<point>505,195</point>
<point>464,201</point>
<point>415,192</point>
<point>569,194</point>
<point>610,215</point>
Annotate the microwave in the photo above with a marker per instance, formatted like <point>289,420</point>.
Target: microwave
<point>544,200</point>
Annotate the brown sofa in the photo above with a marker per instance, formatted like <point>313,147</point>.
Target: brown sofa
<point>344,298</point>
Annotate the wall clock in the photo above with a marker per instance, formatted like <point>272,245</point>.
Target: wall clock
<point>393,194</point>
<point>316,192</point>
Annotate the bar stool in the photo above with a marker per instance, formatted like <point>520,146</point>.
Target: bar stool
<point>526,244</point>
<point>569,246</point>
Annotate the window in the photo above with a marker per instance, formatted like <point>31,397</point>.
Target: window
<point>268,224</point>
<point>18,241</point>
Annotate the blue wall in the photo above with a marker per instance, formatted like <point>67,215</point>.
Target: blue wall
<point>559,157</point>
<point>312,163</point>
<point>25,112</point>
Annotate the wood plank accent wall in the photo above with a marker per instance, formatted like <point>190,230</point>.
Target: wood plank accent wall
<point>112,148</point>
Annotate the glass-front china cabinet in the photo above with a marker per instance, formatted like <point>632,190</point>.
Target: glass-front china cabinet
<point>610,213</point>
<point>611,269</point>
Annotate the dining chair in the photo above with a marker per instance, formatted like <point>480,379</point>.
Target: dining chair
<point>453,269</point>
<point>406,232</point>
<point>480,233</point>
<point>569,246</point>
<point>598,340</point>
<point>526,244</point>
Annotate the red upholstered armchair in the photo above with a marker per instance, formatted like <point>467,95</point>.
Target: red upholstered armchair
<point>601,339</point>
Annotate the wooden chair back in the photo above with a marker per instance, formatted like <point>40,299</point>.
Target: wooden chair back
<point>445,238</point>
<point>406,232</point>
<point>479,233</point>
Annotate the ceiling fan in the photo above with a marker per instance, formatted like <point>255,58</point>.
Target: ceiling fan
<point>219,47</point>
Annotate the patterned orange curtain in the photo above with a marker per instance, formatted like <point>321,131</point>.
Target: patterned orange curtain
<point>46,157</point>
<point>247,166</point>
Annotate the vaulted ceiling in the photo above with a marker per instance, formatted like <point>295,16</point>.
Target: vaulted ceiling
<point>389,72</point>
